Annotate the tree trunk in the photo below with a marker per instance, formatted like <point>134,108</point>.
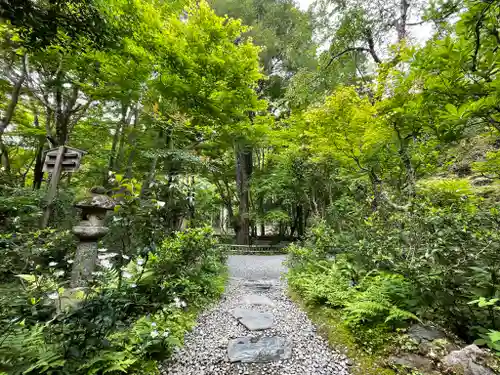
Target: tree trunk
<point>124,135</point>
<point>261,210</point>
<point>38,170</point>
<point>14,98</point>
<point>410,171</point>
<point>401,23</point>
<point>132,142</point>
<point>121,147</point>
<point>116,137</point>
<point>4,157</point>
<point>300,221</point>
<point>377,190</point>
<point>9,113</point>
<point>150,177</point>
<point>61,125</point>
<point>406,160</point>
<point>243,175</point>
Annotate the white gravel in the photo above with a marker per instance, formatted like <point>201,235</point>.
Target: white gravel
<point>205,350</point>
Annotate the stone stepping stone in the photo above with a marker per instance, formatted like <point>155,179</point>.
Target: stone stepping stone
<point>255,299</point>
<point>254,320</point>
<point>263,349</point>
<point>259,285</point>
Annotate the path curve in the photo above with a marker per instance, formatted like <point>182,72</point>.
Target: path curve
<point>205,350</point>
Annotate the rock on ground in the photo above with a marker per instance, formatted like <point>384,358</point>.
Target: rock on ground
<point>205,350</point>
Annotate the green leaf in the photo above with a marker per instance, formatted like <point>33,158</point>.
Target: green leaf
<point>451,109</point>
<point>28,278</point>
<point>480,342</point>
<point>494,336</point>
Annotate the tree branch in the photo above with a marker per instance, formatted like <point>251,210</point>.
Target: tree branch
<point>371,45</point>
<point>477,33</point>
<point>351,49</point>
<point>14,98</point>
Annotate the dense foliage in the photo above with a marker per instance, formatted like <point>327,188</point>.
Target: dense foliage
<point>407,218</point>
<point>129,317</point>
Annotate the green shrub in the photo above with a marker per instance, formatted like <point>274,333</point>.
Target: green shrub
<point>383,298</point>
<point>31,252</point>
<point>447,255</point>
<point>445,191</point>
<point>324,285</point>
<point>130,316</point>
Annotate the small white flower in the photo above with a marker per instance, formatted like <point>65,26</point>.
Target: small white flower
<point>160,204</point>
<point>177,302</point>
<point>154,333</point>
<point>70,261</point>
<point>102,250</point>
<point>106,256</point>
<point>125,257</point>
<point>153,324</point>
<point>133,285</point>
<point>166,333</point>
<point>110,173</point>
<point>52,264</point>
<point>140,262</point>
<point>53,295</point>
<point>183,304</point>
<point>126,274</point>
<point>59,273</point>
<point>106,264</point>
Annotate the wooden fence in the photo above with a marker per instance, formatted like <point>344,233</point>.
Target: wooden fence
<point>253,249</point>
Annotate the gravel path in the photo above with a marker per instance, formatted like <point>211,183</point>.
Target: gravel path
<point>205,350</point>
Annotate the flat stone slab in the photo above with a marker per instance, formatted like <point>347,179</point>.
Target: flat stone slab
<point>259,284</point>
<point>255,299</point>
<point>254,320</point>
<point>263,349</point>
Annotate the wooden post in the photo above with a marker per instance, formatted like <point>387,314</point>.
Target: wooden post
<point>54,181</point>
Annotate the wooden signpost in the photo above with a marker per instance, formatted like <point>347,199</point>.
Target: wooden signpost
<point>58,160</point>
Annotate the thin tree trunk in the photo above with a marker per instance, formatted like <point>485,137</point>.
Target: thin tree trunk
<point>377,190</point>
<point>121,148</point>
<point>4,157</point>
<point>300,221</point>
<point>116,137</point>
<point>401,23</point>
<point>132,142</point>
<point>14,98</point>
<point>111,163</point>
<point>261,210</point>
<point>150,177</point>
<point>243,173</point>
<point>9,113</point>
<point>123,136</point>
<point>38,169</point>
<point>406,160</point>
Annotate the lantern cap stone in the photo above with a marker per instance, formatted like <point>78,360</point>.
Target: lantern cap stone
<point>96,201</point>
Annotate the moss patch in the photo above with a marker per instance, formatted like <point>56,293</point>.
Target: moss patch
<point>329,323</point>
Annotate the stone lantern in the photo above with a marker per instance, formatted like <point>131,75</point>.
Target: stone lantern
<point>89,230</point>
